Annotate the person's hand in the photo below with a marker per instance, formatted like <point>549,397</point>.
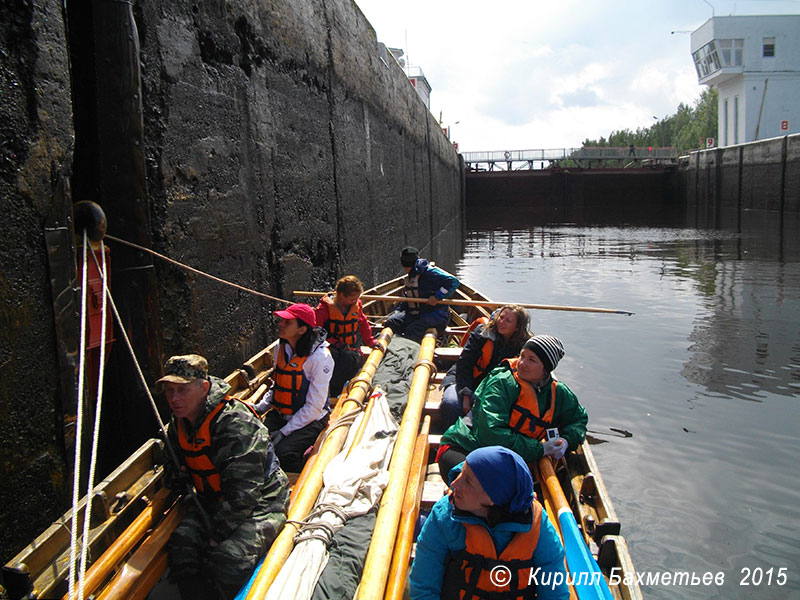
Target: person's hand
<point>556,448</point>
<point>432,301</point>
<point>276,437</point>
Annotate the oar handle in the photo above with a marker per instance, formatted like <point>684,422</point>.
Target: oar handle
<point>579,560</point>
<point>482,303</point>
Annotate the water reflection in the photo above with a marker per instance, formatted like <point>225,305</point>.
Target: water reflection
<point>693,401</point>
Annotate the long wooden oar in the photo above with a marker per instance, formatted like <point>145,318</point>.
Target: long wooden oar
<point>585,573</point>
<point>381,547</point>
<point>483,303</point>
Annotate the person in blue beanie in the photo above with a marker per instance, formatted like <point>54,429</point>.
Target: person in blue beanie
<point>489,537</point>
<point>413,319</point>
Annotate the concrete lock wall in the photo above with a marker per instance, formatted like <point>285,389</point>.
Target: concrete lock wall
<point>752,184</point>
<point>278,146</point>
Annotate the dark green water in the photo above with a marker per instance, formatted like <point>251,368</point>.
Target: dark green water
<point>705,376</point>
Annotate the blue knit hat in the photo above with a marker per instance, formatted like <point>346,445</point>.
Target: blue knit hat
<point>504,476</point>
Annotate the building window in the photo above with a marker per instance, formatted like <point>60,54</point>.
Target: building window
<point>769,46</point>
<point>725,123</point>
<point>706,60</point>
<point>736,119</point>
<point>730,52</point>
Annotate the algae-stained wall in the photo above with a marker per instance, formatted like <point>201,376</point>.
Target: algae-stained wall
<point>735,186</point>
<point>35,145</point>
<point>282,149</point>
<point>284,152</point>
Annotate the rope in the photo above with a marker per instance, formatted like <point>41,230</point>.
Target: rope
<point>73,540</point>
<point>196,271</point>
<point>170,450</point>
<point>96,431</point>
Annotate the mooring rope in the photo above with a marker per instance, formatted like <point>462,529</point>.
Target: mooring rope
<point>197,271</point>
<point>73,539</point>
<point>96,430</point>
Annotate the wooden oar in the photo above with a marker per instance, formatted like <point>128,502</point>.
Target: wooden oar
<point>381,547</point>
<point>398,573</point>
<point>582,564</point>
<point>483,303</point>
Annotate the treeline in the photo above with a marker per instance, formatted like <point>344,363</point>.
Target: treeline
<point>686,130</point>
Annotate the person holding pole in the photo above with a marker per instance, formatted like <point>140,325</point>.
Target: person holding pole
<point>226,456</point>
<point>502,337</point>
<point>489,537</point>
<point>514,407</point>
<point>413,319</point>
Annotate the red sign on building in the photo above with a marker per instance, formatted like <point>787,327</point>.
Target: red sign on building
<point>784,125</point>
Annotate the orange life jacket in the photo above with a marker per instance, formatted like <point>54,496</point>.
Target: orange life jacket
<point>471,574</point>
<point>473,325</point>
<point>291,384</point>
<point>524,417</point>
<point>205,474</point>
<point>484,360</point>
<point>343,327</point>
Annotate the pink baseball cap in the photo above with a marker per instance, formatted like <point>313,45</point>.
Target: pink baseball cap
<point>302,312</point>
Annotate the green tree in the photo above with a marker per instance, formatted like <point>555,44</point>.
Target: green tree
<point>685,130</point>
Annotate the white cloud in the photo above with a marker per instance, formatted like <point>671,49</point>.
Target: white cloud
<point>523,75</point>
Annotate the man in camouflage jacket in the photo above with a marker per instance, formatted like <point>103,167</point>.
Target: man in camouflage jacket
<point>225,453</point>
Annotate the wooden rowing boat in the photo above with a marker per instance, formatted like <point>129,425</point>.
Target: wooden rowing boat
<point>133,514</point>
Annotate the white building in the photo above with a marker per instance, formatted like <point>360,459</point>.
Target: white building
<point>415,76</point>
<point>754,63</point>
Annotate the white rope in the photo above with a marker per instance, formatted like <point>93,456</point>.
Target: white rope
<point>73,540</point>
<point>96,431</point>
<point>128,344</point>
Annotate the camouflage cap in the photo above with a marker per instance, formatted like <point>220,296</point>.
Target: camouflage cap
<point>184,369</point>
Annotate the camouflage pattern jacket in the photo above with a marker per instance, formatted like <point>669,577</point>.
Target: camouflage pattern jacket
<point>252,482</point>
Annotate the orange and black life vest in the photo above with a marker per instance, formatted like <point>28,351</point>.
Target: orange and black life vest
<point>524,417</point>
<point>468,574</point>
<point>291,384</point>
<point>343,327</point>
<point>484,360</point>
<point>205,474</point>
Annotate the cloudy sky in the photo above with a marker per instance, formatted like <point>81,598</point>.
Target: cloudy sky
<point>527,74</point>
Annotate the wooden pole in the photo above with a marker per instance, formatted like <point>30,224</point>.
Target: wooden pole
<point>118,550</point>
<point>379,555</point>
<point>483,303</point>
<point>396,586</point>
<point>307,495</point>
<point>579,560</point>
<point>143,558</point>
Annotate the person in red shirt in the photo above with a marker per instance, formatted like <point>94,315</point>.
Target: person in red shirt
<point>340,314</point>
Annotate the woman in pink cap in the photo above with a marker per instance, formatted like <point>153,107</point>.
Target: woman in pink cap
<point>299,398</point>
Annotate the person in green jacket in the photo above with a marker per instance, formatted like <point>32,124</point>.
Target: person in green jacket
<point>515,406</point>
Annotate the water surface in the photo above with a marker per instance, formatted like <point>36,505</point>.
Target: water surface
<point>694,402</point>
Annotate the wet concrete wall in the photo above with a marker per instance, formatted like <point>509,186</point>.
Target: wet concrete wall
<point>277,146</point>
<point>35,149</point>
<point>597,197</point>
<point>745,187</point>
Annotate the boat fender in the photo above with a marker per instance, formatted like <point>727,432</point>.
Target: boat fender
<point>89,216</point>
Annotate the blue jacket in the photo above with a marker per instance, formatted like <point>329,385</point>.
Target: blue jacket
<point>443,533</point>
<point>432,282</point>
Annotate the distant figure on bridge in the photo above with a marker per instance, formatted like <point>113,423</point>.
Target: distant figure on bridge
<point>632,150</point>
<point>341,316</point>
<point>412,319</point>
